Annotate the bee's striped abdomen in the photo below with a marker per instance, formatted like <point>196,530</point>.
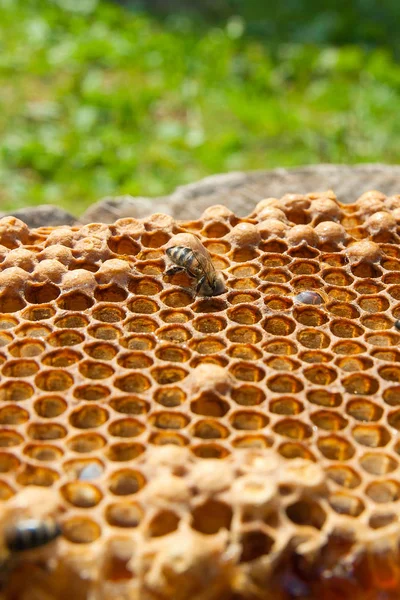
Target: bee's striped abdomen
<point>31,534</point>
<point>182,256</point>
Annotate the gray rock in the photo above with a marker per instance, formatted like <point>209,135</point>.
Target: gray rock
<point>240,191</point>
<point>44,215</point>
<point>109,209</point>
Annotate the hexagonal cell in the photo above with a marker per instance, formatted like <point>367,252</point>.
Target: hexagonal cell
<point>364,410</point>
<point>366,270</point>
<point>46,431</point>
<point>215,230</point>
<point>65,338</point>
<point>382,339</point>
<point>324,398</point>
<point>344,476</point>
<point>276,246</point>
<point>209,405</point>
<point>126,482</point>
<point>280,347</point>
<point>328,420</point>
<point>248,420</point>
<point>334,447</point>
<point>9,438</point>
<point>377,322</point>
<point>390,373</point>
<point>277,303</point>
<point>346,505</point>
<point>168,437</point>
<point>315,356</point>
<point>382,492</point>
<point>292,450</point>
<point>341,294</point>
<point>26,348</point>
<point>368,287</point>
<point>50,407</point>
<point>306,512</point>
<point>176,316</point>
<point>378,463</point>
<point>211,516</point>
<point>75,301</point>
<point>38,313</point>
<point>377,521</point>
<point>123,245</point>
<point>32,475</point>
<point>244,352</point>
<point>124,451</point>
<point>310,317</point>
<point>126,428</point>
<point>313,338</point>
<point>145,286</point>
<point>320,374</point>
<point>279,325</point>
<point>166,375</point>
<point>373,304</point>
<point>174,333</point>
<point>345,329</point>
<point>143,305</point>
<point>61,358</point>
<point>81,530</point>
<point>243,297</point>
<point>244,314</point>
<point>15,391</point>
<point>101,350</point>
<point>20,368</point>
<point>81,495</point>
<point>124,514</point>
<point>208,429</point>
<point>8,322</point>
<point>275,275</point>
<point>252,441</point>
<point>8,462</point>
<point>284,384</point>
<point>373,436</point>
<point>244,335</point>
<point>337,277</point>
<point>255,544</point>
<point>293,429</point>
<point>343,309</point>
<point>177,298</point>
<point>247,372</point>
<point>73,321</point>
<point>282,363</point>
<point>361,384</point>
<point>218,247</point>
<point>135,360</point>
<point>13,415</point>
<point>134,383</point>
<point>214,359</point>
<point>43,452</point>
<point>86,442</point>
<point>54,380</point>
<point>209,324</point>
<point>286,406</point>
<point>154,239</point>
<point>108,314</point>
<point>88,417</point>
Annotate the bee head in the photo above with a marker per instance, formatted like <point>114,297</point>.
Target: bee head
<point>218,285</point>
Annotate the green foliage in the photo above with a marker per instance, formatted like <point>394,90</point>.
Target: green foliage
<point>97,100</point>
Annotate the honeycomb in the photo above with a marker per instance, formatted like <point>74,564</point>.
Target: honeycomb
<point>237,447</point>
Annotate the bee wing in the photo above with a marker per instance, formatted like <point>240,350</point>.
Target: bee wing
<point>203,258</point>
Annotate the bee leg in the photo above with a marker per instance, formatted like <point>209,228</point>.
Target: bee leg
<point>200,283</point>
<point>174,270</point>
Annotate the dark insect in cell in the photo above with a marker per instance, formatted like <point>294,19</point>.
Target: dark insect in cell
<point>309,298</point>
<point>397,325</point>
<point>30,534</point>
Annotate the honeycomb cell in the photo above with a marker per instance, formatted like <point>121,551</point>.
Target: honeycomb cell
<point>15,391</point>
<point>345,328</point>
<point>392,395</point>
<point>41,476</point>
<point>244,352</point>
<point>255,544</point>
<point>108,314</point>
<point>73,321</point>
<point>248,420</point>
<point>280,347</point>
<point>166,375</point>
<point>252,441</point>
<point>282,363</point>
<point>382,339</point>
<point>344,476</point>
<point>176,316</point>
<point>88,417</point>
<point>277,303</point>
<point>248,395</point>
<point>101,351</point>
<point>9,438</point>
<point>211,516</point>
<point>373,436</point>
<point>245,270</point>
<point>275,275</point>
<point>324,397</point>
<point>155,239</point>
<point>81,530</point>
<point>382,492</point>
<point>143,305</point>
<point>315,356</point>
<point>364,410</point>
<point>43,452</point>
<point>37,313</point>
<point>8,322</point>
<point>8,462</point>
<point>345,504</point>
<point>124,514</point>
<point>54,380</point>
<point>135,360</point>
<point>134,383</point>
<point>209,405</point>
<point>334,447</point>
<point>343,309</point>
<point>126,482</point>
<point>65,338</point>
<point>320,374</point>
<point>244,315</point>
<point>13,415</point>
<point>377,322</point>
<point>208,429</point>
<point>242,297</point>
<point>244,335</point>
<point>313,339</point>
<point>286,406</point>
<point>378,463</point>
<point>337,277</point>
<point>247,372</point>
<point>293,450</point>
<point>360,384</point>
<point>20,368</point>
<point>85,443</point>
<point>306,512</point>
<point>123,245</point>
<point>218,247</point>
<point>279,325</point>
<point>284,384</point>
<point>46,431</point>
<point>41,293</point>
<point>61,358</point>
<point>168,437</point>
<point>75,301</point>
<point>293,429</point>
<point>124,451</point>
<point>81,495</point>
<point>176,334</point>
<point>390,373</point>
<point>328,420</point>
<point>373,304</point>
<point>348,348</point>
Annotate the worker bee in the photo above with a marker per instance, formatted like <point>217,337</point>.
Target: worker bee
<point>31,533</point>
<point>191,257</point>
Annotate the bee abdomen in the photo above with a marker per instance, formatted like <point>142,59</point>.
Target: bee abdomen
<point>30,534</point>
<point>181,256</point>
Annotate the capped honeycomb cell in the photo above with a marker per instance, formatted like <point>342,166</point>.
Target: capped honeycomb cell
<point>241,446</point>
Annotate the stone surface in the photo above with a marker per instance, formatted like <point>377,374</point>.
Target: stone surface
<point>240,191</point>
<point>42,216</point>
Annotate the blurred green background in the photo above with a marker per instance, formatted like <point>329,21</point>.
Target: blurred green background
<point>106,98</point>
